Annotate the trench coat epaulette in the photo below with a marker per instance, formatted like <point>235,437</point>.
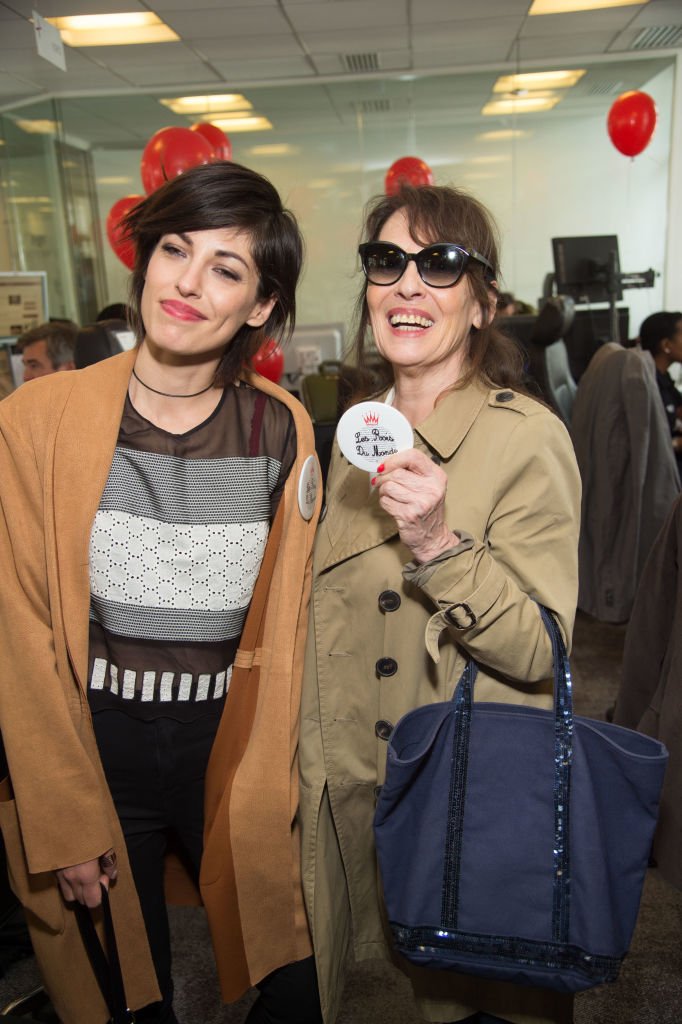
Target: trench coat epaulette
<point>505,398</point>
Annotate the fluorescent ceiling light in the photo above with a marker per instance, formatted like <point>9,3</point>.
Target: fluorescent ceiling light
<point>274,149</point>
<point>241,124</point>
<point>565,6</point>
<point>520,105</point>
<point>40,126</point>
<point>503,135</point>
<point>537,80</point>
<point>113,29</point>
<point>28,200</point>
<point>115,179</point>
<point>205,104</point>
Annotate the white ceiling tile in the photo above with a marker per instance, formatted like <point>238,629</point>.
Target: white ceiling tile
<point>177,77</point>
<point>232,22</point>
<point>425,11</point>
<point>612,19</point>
<point>246,47</point>
<point>62,8</point>
<point>355,40</point>
<point>162,6</point>
<point>659,12</point>
<point>131,56</point>
<point>477,32</point>
<point>359,14</point>
<point>252,70</point>
<point>557,46</point>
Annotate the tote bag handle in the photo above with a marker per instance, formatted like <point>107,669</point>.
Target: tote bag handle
<point>563,748</point>
<point>106,965</point>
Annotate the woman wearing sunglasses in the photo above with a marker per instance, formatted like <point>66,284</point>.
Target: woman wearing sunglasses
<point>440,558</point>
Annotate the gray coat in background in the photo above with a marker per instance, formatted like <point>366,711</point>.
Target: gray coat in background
<point>629,476</point>
<point>650,697</point>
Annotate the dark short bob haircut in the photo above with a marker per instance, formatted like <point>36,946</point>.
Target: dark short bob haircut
<point>224,195</point>
<point>437,213</point>
<point>656,329</point>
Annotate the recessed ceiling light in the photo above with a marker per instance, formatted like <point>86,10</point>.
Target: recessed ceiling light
<point>28,200</point>
<point>206,104</point>
<point>39,126</point>
<point>566,6</point>
<point>538,80</point>
<point>520,105</point>
<point>125,29</point>
<point>503,135</point>
<point>274,149</point>
<point>241,124</point>
<point>115,179</point>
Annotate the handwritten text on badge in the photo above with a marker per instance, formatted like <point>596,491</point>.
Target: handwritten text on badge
<point>370,431</point>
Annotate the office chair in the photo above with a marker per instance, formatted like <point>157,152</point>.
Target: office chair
<point>548,357</point>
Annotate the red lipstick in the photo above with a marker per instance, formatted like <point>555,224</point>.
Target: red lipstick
<point>181,311</point>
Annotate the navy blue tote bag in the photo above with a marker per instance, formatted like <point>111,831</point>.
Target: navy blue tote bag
<point>513,841</point>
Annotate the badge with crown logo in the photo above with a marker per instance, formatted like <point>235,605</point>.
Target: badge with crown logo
<point>371,431</point>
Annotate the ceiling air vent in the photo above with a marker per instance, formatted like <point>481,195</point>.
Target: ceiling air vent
<point>360,61</point>
<point>605,89</point>
<point>658,37</point>
<point>373,106</point>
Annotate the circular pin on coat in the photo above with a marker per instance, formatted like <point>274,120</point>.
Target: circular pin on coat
<point>307,487</point>
<point>370,431</point>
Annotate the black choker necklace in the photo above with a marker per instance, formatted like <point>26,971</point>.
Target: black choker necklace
<point>165,394</point>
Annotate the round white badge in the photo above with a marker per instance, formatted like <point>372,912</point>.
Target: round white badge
<point>370,431</point>
<point>307,487</point>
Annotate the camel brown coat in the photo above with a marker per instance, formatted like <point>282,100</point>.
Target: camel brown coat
<point>57,437</point>
<point>385,638</point>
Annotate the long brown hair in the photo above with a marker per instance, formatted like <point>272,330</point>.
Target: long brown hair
<point>438,213</point>
<point>224,195</point>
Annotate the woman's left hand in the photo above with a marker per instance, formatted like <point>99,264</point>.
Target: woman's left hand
<point>412,489</point>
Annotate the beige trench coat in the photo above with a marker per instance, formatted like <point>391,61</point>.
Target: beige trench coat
<point>57,438</point>
<point>513,489</point>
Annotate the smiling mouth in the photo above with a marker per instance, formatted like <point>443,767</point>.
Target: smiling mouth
<point>181,311</point>
<point>407,322</point>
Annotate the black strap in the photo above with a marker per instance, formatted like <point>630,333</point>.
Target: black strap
<point>106,965</point>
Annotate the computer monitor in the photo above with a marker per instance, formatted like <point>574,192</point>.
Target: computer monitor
<point>587,268</point>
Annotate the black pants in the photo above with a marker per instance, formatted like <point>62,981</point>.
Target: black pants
<point>156,771</point>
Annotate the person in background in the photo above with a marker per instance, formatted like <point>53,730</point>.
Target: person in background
<point>442,557</point>
<point>115,311</point>
<point>47,348</point>
<point>508,305</point>
<point>157,517</point>
<point>661,335</point>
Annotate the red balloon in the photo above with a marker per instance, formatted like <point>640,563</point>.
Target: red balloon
<point>408,170</point>
<point>125,250</point>
<point>222,147</point>
<point>269,360</point>
<point>170,152</point>
<point>631,122</point>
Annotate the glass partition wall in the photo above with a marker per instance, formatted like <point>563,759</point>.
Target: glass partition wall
<point>543,175</point>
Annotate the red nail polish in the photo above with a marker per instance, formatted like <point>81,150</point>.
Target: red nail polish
<point>374,480</point>
<point>381,468</point>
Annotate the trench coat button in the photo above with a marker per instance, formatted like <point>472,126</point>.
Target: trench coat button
<point>389,601</point>
<point>383,729</point>
<point>504,396</point>
<point>386,667</point>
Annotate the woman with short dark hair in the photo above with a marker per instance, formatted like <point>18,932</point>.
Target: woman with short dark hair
<point>158,512</point>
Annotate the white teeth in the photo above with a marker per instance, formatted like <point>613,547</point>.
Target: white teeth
<point>410,320</point>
